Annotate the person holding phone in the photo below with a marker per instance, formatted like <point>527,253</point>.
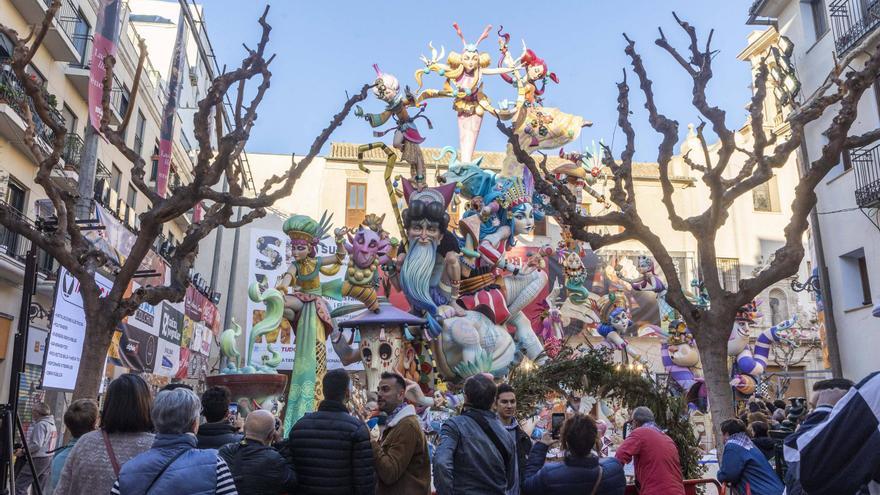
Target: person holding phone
<point>222,420</point>
<point>581,472</point>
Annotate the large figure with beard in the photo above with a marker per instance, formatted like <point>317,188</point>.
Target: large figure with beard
<point>467,342</point>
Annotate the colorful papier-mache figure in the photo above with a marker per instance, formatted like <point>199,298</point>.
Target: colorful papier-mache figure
<point>681,360</point>
<point>501,208</point>
<point>648,280</point>
<point>464,342</point>
<point>464,83</point>
<point>615,322</point>
<point>304,306</point>
<point>366,251</point>
<point>536,126</point>
<point>751,364</point>
<point>407,138</point>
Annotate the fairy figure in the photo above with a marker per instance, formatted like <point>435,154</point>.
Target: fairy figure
<point>464,83</point>
<point>406,135</point>
<point>537,126</point>
<point>305,307</point>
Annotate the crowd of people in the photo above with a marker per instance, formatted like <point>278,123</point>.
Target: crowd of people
<point>181,443</point>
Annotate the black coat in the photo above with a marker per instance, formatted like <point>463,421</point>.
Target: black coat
<point>216,435</point>
<point>331,452</point>
<point>574,476</point>
<point>258,469</point>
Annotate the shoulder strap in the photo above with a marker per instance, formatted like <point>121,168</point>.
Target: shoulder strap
<point>164,468</point>
<point>598,481</point>
<point>484,425</point>
<point>112,455</point>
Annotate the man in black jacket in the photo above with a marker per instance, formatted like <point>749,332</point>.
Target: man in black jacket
<point>257,468</point>
<point>505,407</point>
<point>216,431</point>
<point>331,448</point>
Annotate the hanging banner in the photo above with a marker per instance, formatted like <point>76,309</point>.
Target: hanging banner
<point>166,134</point>
<point>105,39</point>
<point>67,332</point>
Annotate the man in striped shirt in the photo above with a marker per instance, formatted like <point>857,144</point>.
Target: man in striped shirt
<point>174,464</point>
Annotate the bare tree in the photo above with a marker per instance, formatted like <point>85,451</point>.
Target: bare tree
<point>838,95</point>
<point>72,249</point>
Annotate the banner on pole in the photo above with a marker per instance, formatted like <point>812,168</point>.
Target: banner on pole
<point>105,39</point>
<point>166,133</point>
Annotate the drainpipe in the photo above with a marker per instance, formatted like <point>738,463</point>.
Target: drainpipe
<point>824,283</point>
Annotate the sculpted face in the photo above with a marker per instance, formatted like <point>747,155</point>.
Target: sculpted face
<point>645,264</point>
<point>523,219</point>
<point>366,246</point>
<point>535,72</point>
<point>620,321</point>
<point>381,350</point>
<point>739,338</point>
<point>424,232</point>
<point>470,60</point>
<point>300,251</point>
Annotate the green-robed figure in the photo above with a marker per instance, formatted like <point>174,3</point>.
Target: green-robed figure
<point>305,308</point>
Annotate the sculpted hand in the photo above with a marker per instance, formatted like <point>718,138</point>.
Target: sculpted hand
<point>358,111</point>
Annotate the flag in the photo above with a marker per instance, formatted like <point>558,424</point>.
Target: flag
<point>842,453</point>
<point>166,133</point>
<point>106,37</point>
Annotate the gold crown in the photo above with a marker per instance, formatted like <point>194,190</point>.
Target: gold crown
<point>515,194</point>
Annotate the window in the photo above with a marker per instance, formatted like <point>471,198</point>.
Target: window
<point>820,20</point>
<point>123,101</point>
<point>70,120</point>
<point>131,197</point>
<point>81,38</point>
<point>728,273</point>
<point>15,198</point>
<point>854,270</point>
<point>765,197</point>
<point>139,133</point>
<point>778,306</point>
<point>154,163</point>
<point>355,203</point>
<point>116,178</point>
<point>846,159</point>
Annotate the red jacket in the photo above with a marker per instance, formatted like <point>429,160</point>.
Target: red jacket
<point>658,471</point>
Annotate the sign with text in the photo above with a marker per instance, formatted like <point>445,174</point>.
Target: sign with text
<point>67,332</point>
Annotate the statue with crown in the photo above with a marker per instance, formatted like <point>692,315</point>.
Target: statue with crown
<point>299,297</point>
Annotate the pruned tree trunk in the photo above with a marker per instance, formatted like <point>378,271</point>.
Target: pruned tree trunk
<point>717,376</point>
<point>99,335</point>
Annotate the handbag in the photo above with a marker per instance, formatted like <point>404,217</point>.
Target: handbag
<point>113,461</point>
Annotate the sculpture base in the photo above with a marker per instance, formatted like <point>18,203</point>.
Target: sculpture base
<point>253,391</point>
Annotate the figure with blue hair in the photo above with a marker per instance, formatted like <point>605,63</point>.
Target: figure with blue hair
<point>500,209</point>
<point>615,322</point>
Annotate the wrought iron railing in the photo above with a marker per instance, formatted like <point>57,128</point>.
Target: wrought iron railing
<point>73,146</point>
<point>16,246</point>
<point>12,93</point>
<point>852,20</point>
<point>866,162</point>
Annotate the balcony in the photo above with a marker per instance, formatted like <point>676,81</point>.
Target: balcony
<point>78,71</point>
<point>13,251</point>
<point>12,117</point>
<point>866,162</point>
<point>851,21</point>
<point>58,39</point>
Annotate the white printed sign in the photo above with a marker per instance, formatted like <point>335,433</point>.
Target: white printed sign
<point>67,332</point>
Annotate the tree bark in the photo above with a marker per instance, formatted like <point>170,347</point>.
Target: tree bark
<point>96,342</point>
<point>716,373</point>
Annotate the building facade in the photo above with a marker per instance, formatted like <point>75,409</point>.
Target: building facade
<point>824,31</point>
<point>62,65</point>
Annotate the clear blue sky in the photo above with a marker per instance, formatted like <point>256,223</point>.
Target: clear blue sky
<point>326,48</point>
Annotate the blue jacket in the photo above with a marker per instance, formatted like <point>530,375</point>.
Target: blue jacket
<point>574,476</point>
<point>193,473</point>
<point>467,462</point>
<point>740,465</point>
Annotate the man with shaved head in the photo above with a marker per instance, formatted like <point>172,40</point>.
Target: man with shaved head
<point>257,467</point>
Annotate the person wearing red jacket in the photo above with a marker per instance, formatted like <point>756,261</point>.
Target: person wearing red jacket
<point>658,471</point>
